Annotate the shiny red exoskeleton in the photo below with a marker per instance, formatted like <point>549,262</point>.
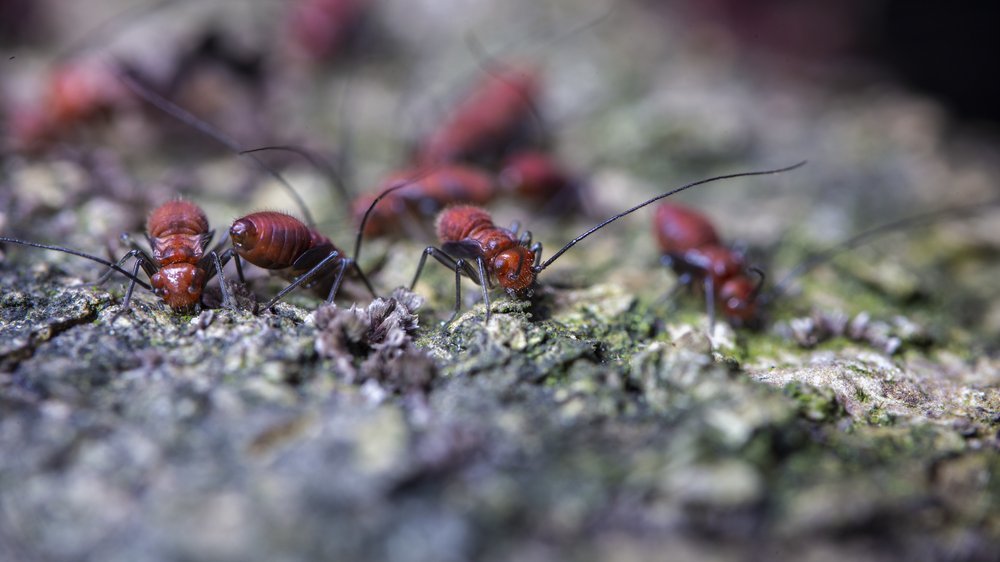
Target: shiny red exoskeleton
<point>178,235</point>
<point>284,244</point>
<point>692,248</point>
<point>426,193</point>
<point>179,267</point>
<point>472,245</point>
<point>488,122</point>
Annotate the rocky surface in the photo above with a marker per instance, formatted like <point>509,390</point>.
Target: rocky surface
<point>596,421</point>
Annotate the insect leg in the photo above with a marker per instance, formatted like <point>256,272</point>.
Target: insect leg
<point>458,290</point>
<point>338,280</point>
<point>683,280</point>
<point>482,283</point>
<point>760,282</point>
<point>139,254</point>
<point>239,268</point>
<point>364,278</point>
<point>304,278</point>
<point>439,255</point>
<point>525,238</point>
<point>478,275</point>
<point>209,264</point>
<point>537,249</point>
<point>227,297</point>
<point>128,292</point>
<point>710,302</point>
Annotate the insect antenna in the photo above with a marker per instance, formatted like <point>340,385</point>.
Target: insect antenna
<point>916,221</point>
<point>573,242</point>
<point>314,159</point>
<point>364,220</point>
<point>73,252</point>
<point>186,117</point>
<point>761,279</point>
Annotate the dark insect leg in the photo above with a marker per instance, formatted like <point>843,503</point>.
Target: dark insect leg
<point>439,255</point>
<point>458,290</point>
<point>537,249</point>
<point>683,280</point>
<point>710,302</point>
<point>477,276</point>
<point>239,268</point>
<point>130,242</point>
<point>525,238</point>
<point>482,283</point>
<point>515,227</point>
<point>128,293</point>
<point>344,264</point>
<point>303,278</point>
<point>227,297</point>
<point>210,262</point>
<point>363,277</point>
<point>139,254</point>
<point>762,278</point>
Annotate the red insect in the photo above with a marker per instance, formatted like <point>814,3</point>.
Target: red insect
<point>539,178</point>
<point>322,29</point>
<point>473,246</point>
<point>692,248</point>
<point>76,93</point>
<point>427,193</point>
<point>495,116</point>
<point>285,245</point>
<point>179,267</point>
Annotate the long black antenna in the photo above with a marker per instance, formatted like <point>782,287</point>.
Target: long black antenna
<point>866,236</point>
<point>184,116</point>
<point>657,198</point>
<point>364,220</point>
<point>81,254</point>
<point>317,161</point>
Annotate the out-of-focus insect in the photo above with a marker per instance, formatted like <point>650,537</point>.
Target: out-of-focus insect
<point>692,248</point>
<point>496,116</point>
<point>180,264</point>
<point>539,178</point>
<point>472,245</point>
<point>428,191</point>
<point>322,29</point>
<point>76,93</point>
